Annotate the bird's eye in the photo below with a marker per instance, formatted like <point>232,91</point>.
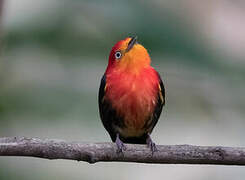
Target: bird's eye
<point>118,55</point>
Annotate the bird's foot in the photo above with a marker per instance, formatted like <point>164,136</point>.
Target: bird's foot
<point>151,144</point>
<point>120,145</point>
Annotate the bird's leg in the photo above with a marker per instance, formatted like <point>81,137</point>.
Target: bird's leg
<point>120,145</point>
<point>151,144</point>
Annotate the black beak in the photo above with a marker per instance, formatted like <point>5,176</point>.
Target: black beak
<point>131,43</point>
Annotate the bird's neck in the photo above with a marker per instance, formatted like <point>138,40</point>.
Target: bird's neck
<point>129,69</point>
<point>134,64</point>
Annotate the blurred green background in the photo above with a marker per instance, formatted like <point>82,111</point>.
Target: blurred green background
<point>54,52</point>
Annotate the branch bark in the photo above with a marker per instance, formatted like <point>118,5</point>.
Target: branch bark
<point>96,152</point>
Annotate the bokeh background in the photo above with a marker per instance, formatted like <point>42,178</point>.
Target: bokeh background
<point>54,52</point>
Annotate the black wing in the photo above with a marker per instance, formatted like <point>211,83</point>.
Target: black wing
<point>160,103</point>
<point>161,91</point>
<point>108,115</point>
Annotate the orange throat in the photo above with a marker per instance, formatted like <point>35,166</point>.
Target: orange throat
<point>133,96</point>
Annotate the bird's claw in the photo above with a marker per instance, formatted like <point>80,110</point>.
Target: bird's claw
<point>120,146</point>
<point>151,144</point>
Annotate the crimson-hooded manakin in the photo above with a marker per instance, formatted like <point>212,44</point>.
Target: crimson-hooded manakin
<point>131,95</point>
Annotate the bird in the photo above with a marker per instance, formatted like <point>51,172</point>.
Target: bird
<point>131,95</point>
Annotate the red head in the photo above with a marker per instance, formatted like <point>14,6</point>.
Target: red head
<point>127,55</point>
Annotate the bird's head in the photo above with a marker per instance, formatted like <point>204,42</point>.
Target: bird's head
<point>129,56</point>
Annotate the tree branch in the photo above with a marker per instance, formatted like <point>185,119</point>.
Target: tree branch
<point>95,152</point>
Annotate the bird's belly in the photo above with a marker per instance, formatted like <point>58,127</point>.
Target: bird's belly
<point>136,114</point>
